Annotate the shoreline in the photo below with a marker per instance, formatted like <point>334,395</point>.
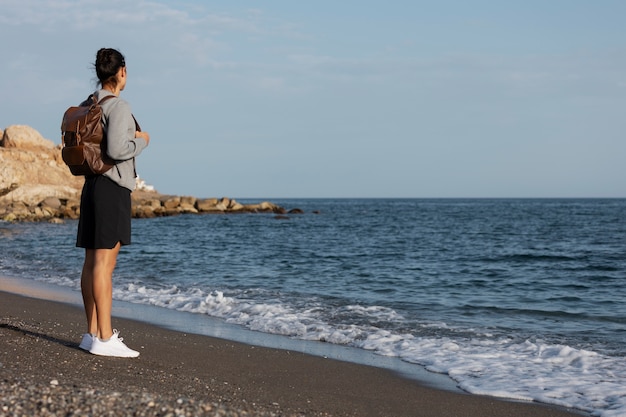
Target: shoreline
<point>213,327</point>
<point>39,355</point>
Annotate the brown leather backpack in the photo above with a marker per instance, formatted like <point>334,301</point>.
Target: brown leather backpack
<point>82,136</point>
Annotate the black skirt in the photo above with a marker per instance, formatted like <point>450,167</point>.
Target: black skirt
<point>105,213</point>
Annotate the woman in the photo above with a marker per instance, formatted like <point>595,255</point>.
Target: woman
<point>105,208</point>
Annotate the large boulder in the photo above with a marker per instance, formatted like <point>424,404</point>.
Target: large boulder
<point>24,137</point>
<point>31,168</point>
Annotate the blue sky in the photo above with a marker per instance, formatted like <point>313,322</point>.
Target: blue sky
<point>277,99</point>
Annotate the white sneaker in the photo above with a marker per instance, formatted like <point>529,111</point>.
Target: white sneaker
<point>87,341</point>
<point>112,347</point>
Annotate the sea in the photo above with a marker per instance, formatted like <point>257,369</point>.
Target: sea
<point>523,299</point>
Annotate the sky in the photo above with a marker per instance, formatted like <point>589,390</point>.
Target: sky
<point>341,99</point>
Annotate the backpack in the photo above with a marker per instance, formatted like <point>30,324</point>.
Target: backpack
<point>82,136</point>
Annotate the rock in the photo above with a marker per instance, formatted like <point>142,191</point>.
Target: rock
<point>151,203</point>
<point>264,207</point>
<point>267,206</point>
<point>222,205</point>
<point>7,190</point>
<point>236,206</point>
<point>24,137</point>
<point>32,194</point>
<point>207,205</point>
<point>187,208</point>
<point>171,203</point>
<point>187,200</point>
<point>52,202</point>
<point>10,217</point>
<point>188,204</point>
<point>144,212</point>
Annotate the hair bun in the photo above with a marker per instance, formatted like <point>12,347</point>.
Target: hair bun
<point>108,63</point>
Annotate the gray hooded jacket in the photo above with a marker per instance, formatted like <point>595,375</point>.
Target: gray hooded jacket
<point>122,146</point>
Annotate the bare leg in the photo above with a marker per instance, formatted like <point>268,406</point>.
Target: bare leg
<point>86,286</point>
<point>97,289</point>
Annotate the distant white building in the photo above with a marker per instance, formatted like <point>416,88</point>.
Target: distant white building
<point>142,186</point>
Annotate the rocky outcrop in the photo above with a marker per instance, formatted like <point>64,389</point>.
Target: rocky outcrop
<point>31,168</point>
<point>147,205</point>
<point>36,185</point>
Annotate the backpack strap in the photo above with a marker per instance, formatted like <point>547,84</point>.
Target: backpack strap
<point>103,99</point>
<point>92,100</point>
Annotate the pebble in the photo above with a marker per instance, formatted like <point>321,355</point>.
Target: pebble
<point>21,398</point>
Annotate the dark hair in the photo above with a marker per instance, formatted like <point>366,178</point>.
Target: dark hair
<point>108,63</point>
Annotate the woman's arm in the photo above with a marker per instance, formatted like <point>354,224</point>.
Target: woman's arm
<point>123,142</point>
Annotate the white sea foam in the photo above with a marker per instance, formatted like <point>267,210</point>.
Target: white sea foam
<point>495,366</point>
<point>532,371</point>
<point>61,281</point>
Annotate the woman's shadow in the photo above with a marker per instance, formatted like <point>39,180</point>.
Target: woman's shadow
<point>63,342</point>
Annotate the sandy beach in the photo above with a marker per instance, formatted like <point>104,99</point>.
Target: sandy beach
<point>181,374</point>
